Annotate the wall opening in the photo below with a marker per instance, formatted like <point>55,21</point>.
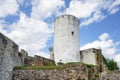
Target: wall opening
<point>72,33</point>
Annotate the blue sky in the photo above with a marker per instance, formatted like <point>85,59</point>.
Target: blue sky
<point>30,24</point>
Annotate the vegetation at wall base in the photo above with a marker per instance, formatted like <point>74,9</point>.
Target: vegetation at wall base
<point>74,63</point>
<point>96,75</point>
<point>100,68</point>
<point>90,65</point>
<point>39,67</point>
<point>50,49</point>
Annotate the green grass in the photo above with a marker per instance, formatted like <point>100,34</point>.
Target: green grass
<point>50,64</point>
<point>91,65</point>
<point>88,65</point>
<point>74,63</point>
<point>39,67</point>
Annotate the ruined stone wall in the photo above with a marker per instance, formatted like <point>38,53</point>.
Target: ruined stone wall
<point>52,55</point>
<point>9,57</point>
<point>23,54</point>
<point>91,56</point>
<point>37,61</point>
<point>70,72</point>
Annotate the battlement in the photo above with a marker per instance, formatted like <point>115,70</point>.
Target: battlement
<point>68,18</point>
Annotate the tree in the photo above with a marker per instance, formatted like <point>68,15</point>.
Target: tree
<point>51,49</point>
<point>110,63</point>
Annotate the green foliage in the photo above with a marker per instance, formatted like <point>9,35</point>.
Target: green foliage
<point>104,60</point>
<point>89,72</point>
<point>96,75</point>
<point>50,64</point>
<point>90,65</point>
<point>19,67</point>
<point>100,68</point>
<point>20,54</point>
<point>74,63</point>
<point>51,49</point>
<point>39,67</point>
<point>110,63</point>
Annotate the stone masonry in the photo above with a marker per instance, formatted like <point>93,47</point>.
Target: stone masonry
<point>114,75</point>
<point>37,61</point>
<point>70,72</point>
<point>91,56</point>
<point>9,57</point>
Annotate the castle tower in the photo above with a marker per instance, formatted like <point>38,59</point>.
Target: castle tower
<point>66,39</point>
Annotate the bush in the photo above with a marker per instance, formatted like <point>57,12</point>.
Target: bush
<point>110,64</point>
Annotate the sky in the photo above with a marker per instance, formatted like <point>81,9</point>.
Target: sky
<point>30,24</point>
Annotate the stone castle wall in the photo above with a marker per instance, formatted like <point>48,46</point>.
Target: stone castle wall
<point>9,57</point>
<point>115,75</point>
<point>37,61</point>
<point>70,72</point>
<point>52,55</point>
<point>91,56</point>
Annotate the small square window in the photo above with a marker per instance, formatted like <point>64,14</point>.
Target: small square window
<point>72,33</point>
<point>60,60</point>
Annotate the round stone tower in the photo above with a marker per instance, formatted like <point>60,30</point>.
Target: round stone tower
<point>66,39</point>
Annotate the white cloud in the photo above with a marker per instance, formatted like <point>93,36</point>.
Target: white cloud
<point>30,34</point>
<point>20,1</point>
<point>3,25</point>
<point>97,16</point>
<point>104,36</point>
<point>117,59</point>
<point>45,8</point>
<point>113,8</point>
<point>92,10</point>
<point>117,43</point>
<point>81,9</point>
<point>84,9</point>
<point>24,3</point>
<point>2,30</point>
<point>107,45</point>
<point>8,7</point>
